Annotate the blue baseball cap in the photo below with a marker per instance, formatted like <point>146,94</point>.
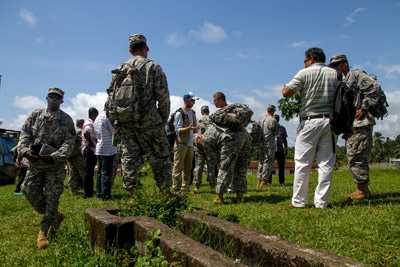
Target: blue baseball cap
<point>189,96</point>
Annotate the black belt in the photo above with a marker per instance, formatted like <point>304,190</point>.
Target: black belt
<point>312,117</point>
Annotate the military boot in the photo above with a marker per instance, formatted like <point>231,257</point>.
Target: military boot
<point>258,184</point>
<point>41,241</point>
<point>219,199</point>
<point>361,193</point>
<point>262,185</point>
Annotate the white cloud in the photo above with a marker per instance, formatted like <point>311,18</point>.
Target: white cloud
<point>208,33</point>
<point>175,39</point>
<point>304,44</point>
<point>390,69</point>
<point>78,106</point>
<point>351,18</point>
<point>28,17</point>
<point>28,102</point>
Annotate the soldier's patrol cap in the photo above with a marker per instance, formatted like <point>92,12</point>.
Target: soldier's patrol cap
<point>272,107</point>
<point>338,58</point>
<point>137,39</point>
<point>205,109</point>
<point>55,90</point>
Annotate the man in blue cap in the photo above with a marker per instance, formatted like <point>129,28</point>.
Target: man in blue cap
<point>185,127</point>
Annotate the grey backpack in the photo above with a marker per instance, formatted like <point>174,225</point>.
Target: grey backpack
<point>126,103</point>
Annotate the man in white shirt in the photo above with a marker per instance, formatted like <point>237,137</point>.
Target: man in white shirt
<point>105,152</point>
<point>316,84</point>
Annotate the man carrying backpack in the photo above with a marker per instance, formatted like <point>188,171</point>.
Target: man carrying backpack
<point>359,143</point>
<point>227,143</point>
<point>138,104</point>
<point>185,127</point>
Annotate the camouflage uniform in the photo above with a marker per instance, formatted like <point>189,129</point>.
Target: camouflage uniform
<point>359,144</point>
<point>147,137</point>
<point>266,163</point>
<point>200,154</point>
<point>231,150</point>
<point>44,182</point>
<point>76,165</point>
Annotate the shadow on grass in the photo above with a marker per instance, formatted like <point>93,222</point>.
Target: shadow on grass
<point>264,198</point>
<point>374,200</point>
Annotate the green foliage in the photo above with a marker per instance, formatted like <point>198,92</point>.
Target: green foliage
<point>384,149</point>
<point>155,204</point>
<point>290,106</point>
<point>153,256</point>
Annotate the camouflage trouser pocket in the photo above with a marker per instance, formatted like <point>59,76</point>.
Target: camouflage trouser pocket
<point>360,142</point>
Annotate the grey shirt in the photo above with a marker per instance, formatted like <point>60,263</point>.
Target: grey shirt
<point>317,86</point>
<point>186,139</point>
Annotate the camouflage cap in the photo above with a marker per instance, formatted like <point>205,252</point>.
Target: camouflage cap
<point>55,90</point>
<point>338,58</point>
<point>137,39</point>
<point>271,107</point>
<point>205,109</point>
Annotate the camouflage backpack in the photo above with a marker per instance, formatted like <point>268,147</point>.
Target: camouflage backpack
<point>234,117</point>
<point>377,102</point>
<point>379,106</point>
<point>125,101</point>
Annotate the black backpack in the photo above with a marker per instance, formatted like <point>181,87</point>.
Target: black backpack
<point>171,131</point>
<point>344,110</point>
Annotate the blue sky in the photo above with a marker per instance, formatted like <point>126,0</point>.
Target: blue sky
<point>247,49</point>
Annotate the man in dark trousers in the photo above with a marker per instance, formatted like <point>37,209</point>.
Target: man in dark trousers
<point>88,148</point>
<point>281,150</point>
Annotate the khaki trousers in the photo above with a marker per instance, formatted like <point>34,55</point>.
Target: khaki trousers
<point>181,172</point>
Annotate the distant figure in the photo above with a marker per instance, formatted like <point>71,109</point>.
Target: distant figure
<point>105,152</point>
<point>315,140</point>
<point>265,167</point>
<point>281,150</point>
<point>185,127</point>
<point>88,149</point>
<point>200,154</point>
<point>138,106</point>
<point>76,162</point>
<point>359,144</point>
<point>227,145</point>
<point>47,140</point>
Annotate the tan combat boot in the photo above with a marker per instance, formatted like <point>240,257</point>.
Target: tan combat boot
<point>361,193</point>
<point>262,185</point>
<point>258,184</point>
<point>41,241</point>
<point>219,200</point>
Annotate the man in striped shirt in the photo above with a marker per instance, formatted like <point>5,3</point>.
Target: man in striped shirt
<point>105,152</point>
<point>316,84</point>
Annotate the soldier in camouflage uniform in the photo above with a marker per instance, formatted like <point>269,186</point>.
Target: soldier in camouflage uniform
<point>359,144</point>
<point>54,130</point>
<point>231,150</point>
<point>76,162</point>
<point>269,127</point>
<point>200,154</point>
<point>147,138</point>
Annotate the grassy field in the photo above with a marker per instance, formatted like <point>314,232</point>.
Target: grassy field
<point>368,231</point>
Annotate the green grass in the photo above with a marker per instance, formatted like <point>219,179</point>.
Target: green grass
<point>368,231</point>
